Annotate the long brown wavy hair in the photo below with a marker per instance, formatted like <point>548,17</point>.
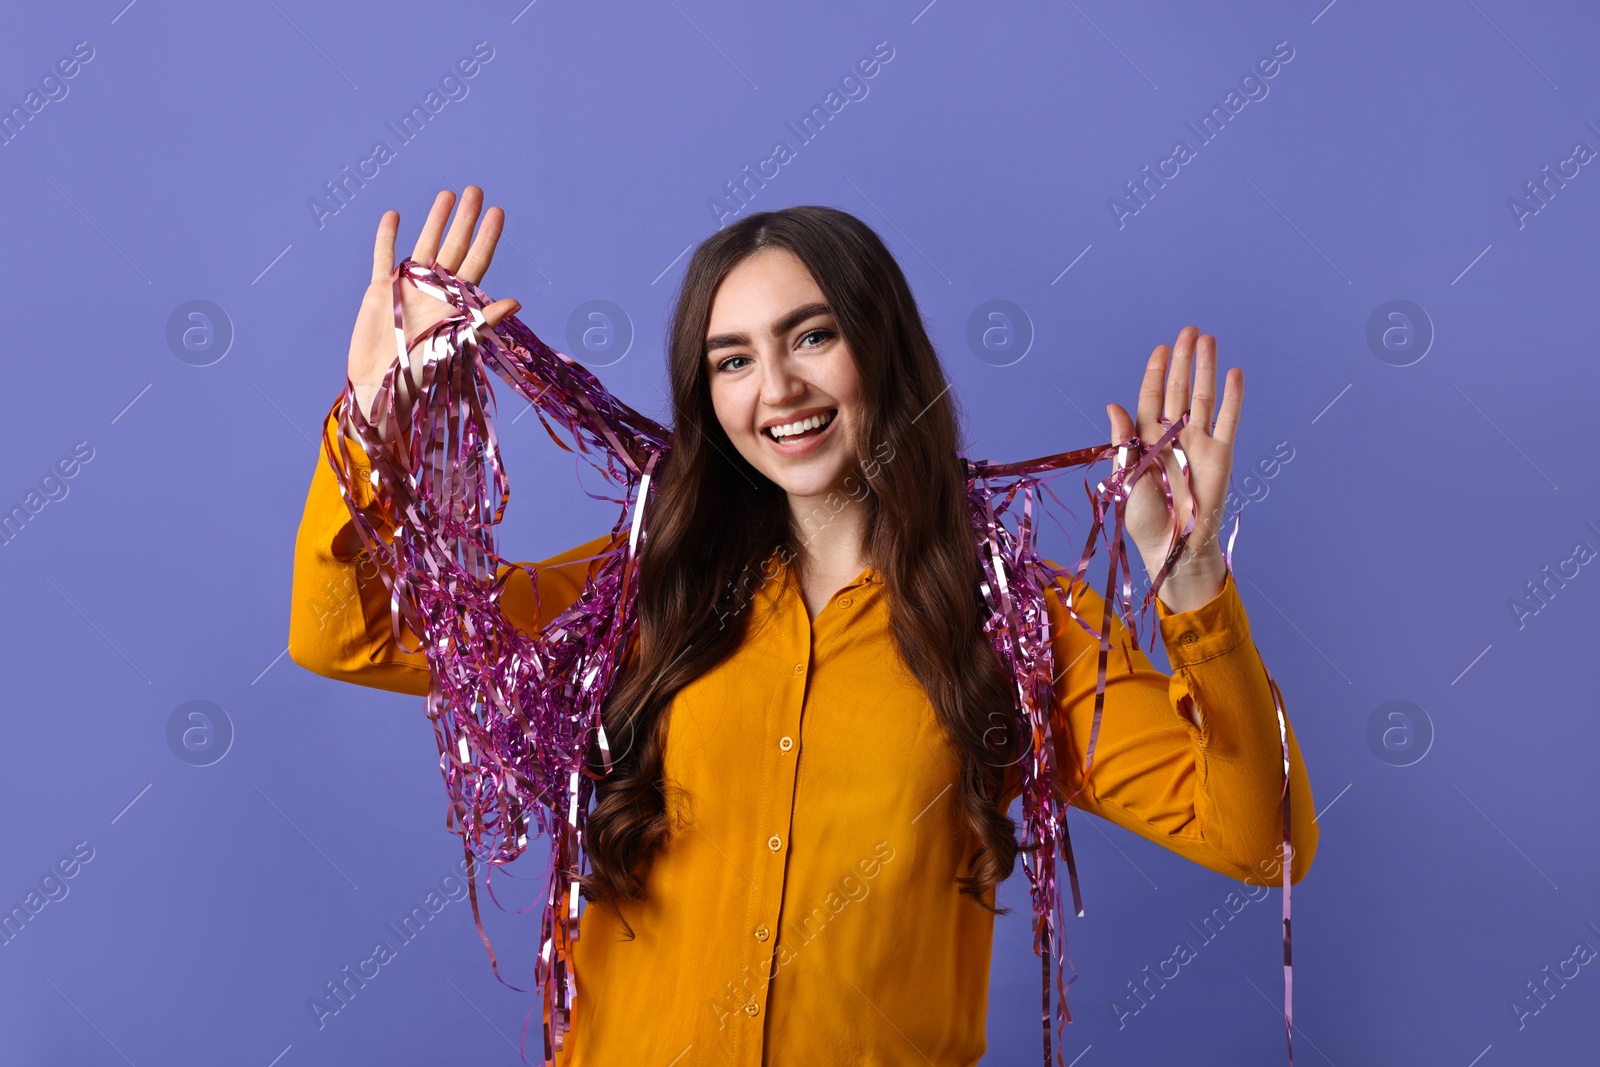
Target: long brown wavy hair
<point>716,520</point>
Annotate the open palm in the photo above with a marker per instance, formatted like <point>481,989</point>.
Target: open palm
<point>1165,392</point>
<point>372,342</point>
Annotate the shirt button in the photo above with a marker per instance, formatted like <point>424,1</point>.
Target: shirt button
<point>1189,638</point>
<point>774,842</point>
<point>844,602</point>
<point>786,743</point>
<point>762,933</point>
<point>799,668</point>
<point>752,1008</point>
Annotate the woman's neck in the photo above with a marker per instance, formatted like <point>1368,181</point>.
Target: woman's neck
<point>830,534</point>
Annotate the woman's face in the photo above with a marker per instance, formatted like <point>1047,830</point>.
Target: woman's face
<point>775,358</point>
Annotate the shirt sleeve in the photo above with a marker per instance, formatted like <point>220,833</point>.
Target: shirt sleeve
<point>339,624</point>
<point>1211,793</point>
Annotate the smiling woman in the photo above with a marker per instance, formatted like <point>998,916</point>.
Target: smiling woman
<point>763,735</point>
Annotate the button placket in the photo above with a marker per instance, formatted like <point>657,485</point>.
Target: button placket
<point>778,807</point>
<point>782,773</point>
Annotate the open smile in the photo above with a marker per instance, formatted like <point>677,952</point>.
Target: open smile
<point>802,436</point>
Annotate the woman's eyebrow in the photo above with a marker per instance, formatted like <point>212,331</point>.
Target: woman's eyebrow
<point>779,328</point>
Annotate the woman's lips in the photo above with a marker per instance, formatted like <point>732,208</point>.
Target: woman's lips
<point>804,444</point>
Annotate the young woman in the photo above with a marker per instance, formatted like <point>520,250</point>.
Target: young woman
<point>794,859</point>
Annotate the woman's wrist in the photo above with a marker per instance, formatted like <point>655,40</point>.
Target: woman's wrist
<point>1194,580</point>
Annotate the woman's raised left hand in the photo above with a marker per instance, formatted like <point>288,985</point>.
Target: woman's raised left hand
<point>1166,391</point>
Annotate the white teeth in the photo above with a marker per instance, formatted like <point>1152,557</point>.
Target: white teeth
<point>790,429</point>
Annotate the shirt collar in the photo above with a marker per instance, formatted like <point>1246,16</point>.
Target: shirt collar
<point>869,576</point>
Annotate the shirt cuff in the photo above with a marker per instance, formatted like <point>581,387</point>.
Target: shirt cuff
<point>361,467</point>
<point>1210,630</point>
<point>339,536</point>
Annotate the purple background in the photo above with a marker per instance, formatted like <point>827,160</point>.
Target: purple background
<point>1379,564</point>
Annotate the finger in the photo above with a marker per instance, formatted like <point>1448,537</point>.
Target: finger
<point>428,240</point>
<point>383,246</point>
<point>1150,390</point>
<point>482,251</point>
<point>455,245</point>
<point>1204,402</point>
<point>1121,429</point>
<point>1232,401</point>
<point>500,309</point>
<point>1121,423</point>
<point>1178,373</point>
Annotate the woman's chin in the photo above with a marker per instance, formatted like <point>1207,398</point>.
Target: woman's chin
<point>807,483</point>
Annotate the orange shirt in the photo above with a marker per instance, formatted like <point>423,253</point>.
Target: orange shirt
<point>805,911</point>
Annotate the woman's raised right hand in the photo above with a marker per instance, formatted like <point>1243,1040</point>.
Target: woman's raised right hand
<point>372,343</point>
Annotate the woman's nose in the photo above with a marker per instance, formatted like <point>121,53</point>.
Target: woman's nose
<point>779,383</point>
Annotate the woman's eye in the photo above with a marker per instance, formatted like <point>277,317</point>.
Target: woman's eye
<point>825,334</point>
<point>724,364</point>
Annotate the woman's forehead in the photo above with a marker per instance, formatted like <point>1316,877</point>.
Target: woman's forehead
<point>761,289</point>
